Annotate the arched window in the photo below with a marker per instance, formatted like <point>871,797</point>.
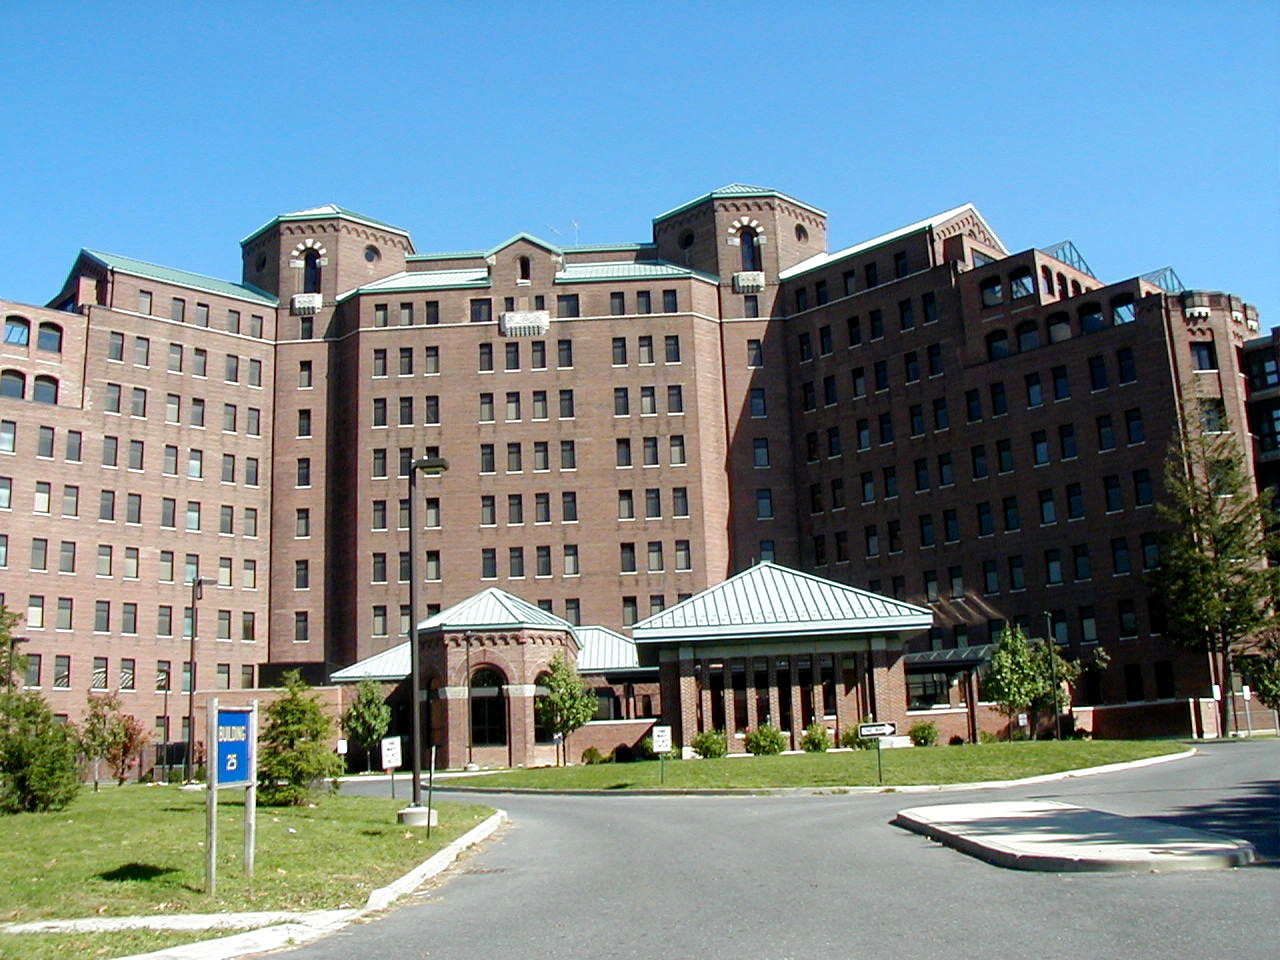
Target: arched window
<point>13,384</point>
<point>49,338</point>
<point>541,732</point>
<point>750,249</point>
<point>1046,281</point>
<point>997,345</point>
<point>524,267</point>
<point>1122,309</point>
<point>1059,327</point>
<point>1091,318</point>
<point>1062,286</point>
<point>488,709</point>
<point>1028,335</point>
<point>311,272</point>
<point>45,390</point>
<point>1075,288</point>
<point>1021,283</point>
<point>992,292</point>
<point>17,331</point>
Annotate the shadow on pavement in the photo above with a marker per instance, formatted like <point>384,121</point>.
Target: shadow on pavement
<point>1253,814</point>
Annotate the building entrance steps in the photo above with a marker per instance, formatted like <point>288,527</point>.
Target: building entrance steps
<point>1059,837</point>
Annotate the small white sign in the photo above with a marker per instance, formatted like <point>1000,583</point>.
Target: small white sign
<point>1217,692</point>
<point>1246,692</point>
<point>342,748</point>
<point>391,753</point>
<point>868,730</point>
<point>661,739</point>
<point>1022,719</point>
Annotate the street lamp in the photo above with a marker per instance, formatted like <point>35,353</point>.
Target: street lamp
<point>1051,644</point>
<point>197,592</point>
<point>432,467</point>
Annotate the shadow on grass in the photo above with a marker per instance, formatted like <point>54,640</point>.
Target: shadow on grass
<point>128,872</point>
<point>620,786</point>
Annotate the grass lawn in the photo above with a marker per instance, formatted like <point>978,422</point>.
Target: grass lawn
<point>943,764</point>
<point>140,849</point>
<point>95,946</point>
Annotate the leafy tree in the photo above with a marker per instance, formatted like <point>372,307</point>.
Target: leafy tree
<point>1261,668</point>
<point>295,752</point>
<point>129,736</point>
<point>367,719</point>
<point>99,730</point>
<point>37,754</point>
<point>1214,582</point>
<point>568,702</point>
<point>1013,679</point>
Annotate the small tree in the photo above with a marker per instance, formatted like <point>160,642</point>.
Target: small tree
<point>1012,680</point>
<point>568,702</point>
<point>1261,668</point>
<point>1213,580</point>
<point>99,730</point>
<point>129,736</point>
<point>367,719</point>
<point>295,752</point>
<point>37,757</point>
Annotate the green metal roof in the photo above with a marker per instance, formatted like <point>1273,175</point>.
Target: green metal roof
<point>624,270</point>
<point>493,609</point>
<point>181,278</point>
<point>769,600</point>
<point>732,190</point>
<point>536,241</point>
<point>606,247</point>
<point>456,255</point>
<point>326,211</point>
<point>463,278</point>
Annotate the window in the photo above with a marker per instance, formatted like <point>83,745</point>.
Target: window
<point>567,305</point>
<point>1053,567</point>
<point>910,366</point>
<point>1075,501</point>
<point>992,292</point>
<point>886,428</point>
<point>141,352</point>
<point>670,304</point>
<point>1012,522</point>
<point>1004,455</point>
<point>750,252</point>
<point>515,459</point>
<point>1142,491</point>
<point>764,504</point>
<point>1112,493</point>
<point>1126,366</point>
<point>870,541</point>
<point>1048,508</point>
<point>566,404</point>
<point>1017,574</point>
<point>880,375</point>
<point>1035,392</point>
<point>1021,283</point>
<point>1106,434</point>
<point>1120,560</point>
<point>1082,566</point>
<point>1039,448</point>
<point>757,402</point>
<point>871,275</point>
<point>1097,373</point>
<point>304,419</point>
<point>999,400</point>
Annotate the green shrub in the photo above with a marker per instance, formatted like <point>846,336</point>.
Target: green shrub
<point>645,751</point>
<point>766,740</point>
<point>923,733</point>
<point>815,739</point>
<point>986,736</point>
<point>956,741</point>
<point>37,757</point>
<point>593,756</point>
<point>295,753</point>
<point>850,739</point>
<point>711,744</point>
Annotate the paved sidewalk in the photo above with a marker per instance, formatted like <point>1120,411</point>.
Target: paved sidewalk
<point>1059,837</point>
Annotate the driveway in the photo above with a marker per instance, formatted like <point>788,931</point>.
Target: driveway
<point>767,878</point>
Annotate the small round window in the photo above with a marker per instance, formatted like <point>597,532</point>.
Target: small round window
<point>686,240</point>
<point>261,263</point>
<point>372,254</point>
<point>801,233</point>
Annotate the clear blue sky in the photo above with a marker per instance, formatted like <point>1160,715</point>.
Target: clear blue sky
<point>1146,133</point>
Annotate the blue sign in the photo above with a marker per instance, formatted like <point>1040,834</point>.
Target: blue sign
<point>234,749</point>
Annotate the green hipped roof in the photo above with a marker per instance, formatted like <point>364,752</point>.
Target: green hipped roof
<point>326,211</point>
<point>181,278</point>
<point>580,248</point>
<point>738,190</point>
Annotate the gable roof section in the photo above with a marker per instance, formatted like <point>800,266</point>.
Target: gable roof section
<point>390,665</point>
<point>772,600</point>
<point>529,237</point>
<point>327,211</point>
<point>822,259</point>
<point>492,608</point>
<point>736,190</point>
<point>604,649</point>
<point>180,278</point>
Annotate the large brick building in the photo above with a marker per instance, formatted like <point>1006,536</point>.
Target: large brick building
<point>925,415</point>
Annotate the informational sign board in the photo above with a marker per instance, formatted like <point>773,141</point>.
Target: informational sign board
<point>1246,692</point>
<point>1217,692</point>
<point>1022,719</point>
<point>868,730</point>
<point>235,759</point>
<point>661,739</point>
<point>391,758</point>
<point>342,748</point>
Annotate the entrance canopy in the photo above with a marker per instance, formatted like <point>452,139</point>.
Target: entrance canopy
<point>772,601</point>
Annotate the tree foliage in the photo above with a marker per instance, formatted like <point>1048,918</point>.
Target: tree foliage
<point>295,753</point>
<point>568,702</point>
<point>1261,668</point>
<point>98,729</point>
<point>367,719</point>
<point>129,736</point>
<point>37,754</point>
<point>1214,583</point>
<point>1012,680</point>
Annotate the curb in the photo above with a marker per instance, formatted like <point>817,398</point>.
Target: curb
<point>832,790</point>
<point>1231,853</point>
<point>302,931</point>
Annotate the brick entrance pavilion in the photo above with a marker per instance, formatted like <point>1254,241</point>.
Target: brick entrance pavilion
<point>774,645</point>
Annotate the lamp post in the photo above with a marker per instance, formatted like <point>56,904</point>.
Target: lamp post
<point>1051,644</point>
<point>432,467</point>
<point>197,592</point>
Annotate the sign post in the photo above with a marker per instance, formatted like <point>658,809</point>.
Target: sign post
<point>662,746</point>
<point>877,730</point>
<point>1247,693</point>
<point>431,783</point>
<point>233,733</point>
<point>391,759</point>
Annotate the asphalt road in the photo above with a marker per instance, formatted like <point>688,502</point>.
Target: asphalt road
<point>770,878</point>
